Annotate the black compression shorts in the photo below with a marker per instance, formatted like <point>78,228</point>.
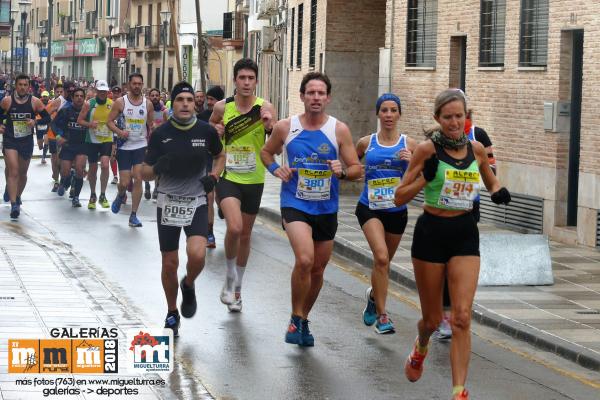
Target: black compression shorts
<point>393,222</point>
<point>168,236</point>
<point>248,194</point>
<point>324,226</point>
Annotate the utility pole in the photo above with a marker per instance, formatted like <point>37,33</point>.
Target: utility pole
<point>200,48</point>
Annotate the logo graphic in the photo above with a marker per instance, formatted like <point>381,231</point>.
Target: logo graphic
<point>323,148</point>
<point>55,356</point>
<point>23,356</point>
<point>151,350</point>
<point>141,111</point>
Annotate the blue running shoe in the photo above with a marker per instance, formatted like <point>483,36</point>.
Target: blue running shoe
<point>172,322</point>
<point>116,204</point>
<point>134,222</point>
<point>307,338</point>
<point>384,325</point>
<point>61,190</point>
<point>6,196</point>
<point>294,331</point>
<point>370,312</point>
<point>15,211</point>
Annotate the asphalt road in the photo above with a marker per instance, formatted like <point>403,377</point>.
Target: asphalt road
<point>243,356</point>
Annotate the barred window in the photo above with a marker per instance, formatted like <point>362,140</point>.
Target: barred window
<point>299,41</point>
<point>421,33</point>
<point>293,21</point>
<point>313,33</point>
<point>491,33</point>
<point>533,44</point>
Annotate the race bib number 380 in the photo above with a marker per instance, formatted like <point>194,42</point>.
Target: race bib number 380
<point>314,184</point>
<point>460,189</point>
<point>178,210</point>
<point>381,192</point>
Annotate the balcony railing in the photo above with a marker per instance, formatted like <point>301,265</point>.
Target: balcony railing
<point>153,36</point>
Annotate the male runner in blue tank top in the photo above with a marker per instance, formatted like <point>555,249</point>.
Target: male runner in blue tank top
<point>313,142</point>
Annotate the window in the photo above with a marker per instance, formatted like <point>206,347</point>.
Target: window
<point>158,10</point>
<point>157,78</point>
<point>491,33</point>
<point>421,33</point>
<point>149,14</point>
<point>108,8</point>
<point>292,38</point>
<point>299,35</point>
<point>149,75</point>
<point>139,16</point>
<point>170,85</point>
<point>227,25</point>
<point>313,34</point>
<point>533,46</point>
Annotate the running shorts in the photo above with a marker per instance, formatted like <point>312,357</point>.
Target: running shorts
<point>393,222</point>
<point>438,239</point>
<point>23,146</point>
<point>168,236</point>
<point>97,150</point>
<point>248,194</point>
<point>324,226</point>
<point>68,152</point>
<point>127,159</point>
<point>52,146</point>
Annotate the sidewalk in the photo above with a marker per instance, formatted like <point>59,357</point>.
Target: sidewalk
<point>563,318</point>
<point>44,285</point>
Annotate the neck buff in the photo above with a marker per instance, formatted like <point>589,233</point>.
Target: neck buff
<point>100,101</point>
<point>448,143</point>
<point>183,123</point>
<point>21,97</point>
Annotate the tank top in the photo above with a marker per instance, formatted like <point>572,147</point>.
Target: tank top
<point>99,113</point>
<point>159,118</point>
<point>243,139</point>
<point>135,117</point>
<point>313,188</point>
<point>456,183</point>
<point>383,173</point>
<point>18,114</point>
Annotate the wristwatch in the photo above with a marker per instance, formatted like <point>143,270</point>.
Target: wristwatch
<point>343,175</point>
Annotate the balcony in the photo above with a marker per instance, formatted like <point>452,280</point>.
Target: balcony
<point>153,37</point>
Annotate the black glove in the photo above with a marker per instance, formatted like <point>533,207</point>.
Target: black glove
<point>502,196</point>
<point>430,168</point>
<point>209,182</point>
<point>163,164</point>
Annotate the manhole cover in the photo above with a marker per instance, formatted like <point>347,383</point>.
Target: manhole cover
<point>589,312</point>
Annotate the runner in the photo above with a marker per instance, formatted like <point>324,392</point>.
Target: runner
<point>213,96</point>
<point>177,152</point>
<point>20,109</point>
<point>199,99</point>
<point>135,109</point>
<point>312,142</point>
<point>53,107</point>
<point>116,93</point>
<point>41,129</point>
<point>71,137</point>
<point>446,238</point>
<point>243,121</point>
<point>99,142</point>
<point>387,154</point>
<point>161,115</point>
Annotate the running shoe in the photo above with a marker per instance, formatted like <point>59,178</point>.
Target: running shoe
<point>116,204</point>
<point>6,196</point>
<point>147,192</point>
<point>444,331</point>
<point>308,339</point>
<point>464,395</point>
<point>15,211</point>
<point>413,368</point>
<point>384,325</point>
<point>134,222</point>
<point>211,244</point>
<point>43,161</point>
<point>227,296</point>
<point>370,312</point>
<point>55,187</point>
<point>236,306</point>
<point>188,303</point>
<point>115,180</point>
<point>155,193</point>
<point>103,201</point>
<point>75,202</point>
<point>294,331</point>
<point>172,322</point>
<point>60,190</point>
<point>92,202</point>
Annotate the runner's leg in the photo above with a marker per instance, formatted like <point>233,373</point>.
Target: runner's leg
<point>92,176</point>
<point>11,160</point>
<point>429,278</point>
<point>170,262</point>
<point>300,237</point>
<point>104,173</point>
<point>23,168</point>
<point>136,193</point>
<point>322,253</point>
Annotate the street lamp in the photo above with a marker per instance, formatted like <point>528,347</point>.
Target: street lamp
<point>111,25</point>
<point>24,7</point>
<point>74,25</point>
<point>13,17</point>
<point>165,18</point>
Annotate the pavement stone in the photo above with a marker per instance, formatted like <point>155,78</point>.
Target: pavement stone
<point>563,318</point>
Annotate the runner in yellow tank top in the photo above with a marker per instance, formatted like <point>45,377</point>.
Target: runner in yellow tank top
<point>242,121</point>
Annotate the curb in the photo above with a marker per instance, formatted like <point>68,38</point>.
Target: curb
<point>480,314</point>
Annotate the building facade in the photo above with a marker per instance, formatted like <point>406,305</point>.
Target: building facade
<point>528,70</point>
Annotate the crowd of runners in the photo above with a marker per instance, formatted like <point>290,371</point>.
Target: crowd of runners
<point>196,153</point>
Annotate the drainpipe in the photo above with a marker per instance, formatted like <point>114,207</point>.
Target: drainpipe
<point>392,28</point>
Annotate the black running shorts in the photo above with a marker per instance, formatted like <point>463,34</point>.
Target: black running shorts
<point>168,236</point>
<point>393,222</point>
<point>324,226</point>
<point>248,194</point>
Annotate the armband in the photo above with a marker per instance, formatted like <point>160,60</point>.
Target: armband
<point>271,168</point>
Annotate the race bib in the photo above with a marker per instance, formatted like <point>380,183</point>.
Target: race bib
<point>381,192</point>
<point>178,210</point>
<point>102,130</point>
<point>21,129</point>
<point>135,126</point>
<point>314,184</point>
<point>241,159</point>
<point>460,189</point>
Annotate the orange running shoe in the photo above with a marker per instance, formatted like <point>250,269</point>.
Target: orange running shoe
<point>413,369</point>
<point>464,395</point>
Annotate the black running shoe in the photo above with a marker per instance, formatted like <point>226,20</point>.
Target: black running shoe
<point>172,321</point>
<point>188,304</point>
